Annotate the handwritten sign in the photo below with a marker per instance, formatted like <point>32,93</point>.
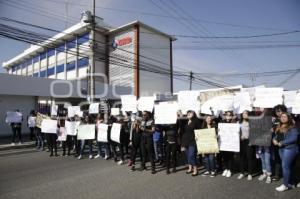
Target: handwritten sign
<point>242,102</point>
<point>102,133</point>
<point>188,100</point>
<point>115,132</point>
<point>86,132</point>
<point>165,113</point>
<point>206,141</point>
<point>268,97</point>
<point>146,104</point>
<point>129,103</point>
<point>73,110</point>
<point>229,137</point>
<point>94,108</point>
<point>71,128</point>
<point>49,126</point>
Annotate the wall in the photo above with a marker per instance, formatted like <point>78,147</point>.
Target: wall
<point>10,103</point>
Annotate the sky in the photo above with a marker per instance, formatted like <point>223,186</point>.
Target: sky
<point>199,18</point>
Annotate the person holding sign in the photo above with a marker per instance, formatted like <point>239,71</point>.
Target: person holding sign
<point>189,142</point>
<point>286,140</point>
<point>87,120</point>
<point>135,143</point>
<point>99,121</point>
<point>31,124</point>
<point>246,150</point>
<point>147,129</point>
<point>209,158</point>
<point>16,125</point>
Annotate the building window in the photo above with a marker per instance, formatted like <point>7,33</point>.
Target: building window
<point>43,73</point>
<point>71,66</point>
<point>83,62</point>
<point>71,44</point>
<point>35,74</point>
<point>60,68</point>
<point>83,38</point>
<point>50,71</point>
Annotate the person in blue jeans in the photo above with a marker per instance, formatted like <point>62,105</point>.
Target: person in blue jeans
<point>264,153</point>
<point>286,140</point>
<point>157,143</point>
<point>189,142</point>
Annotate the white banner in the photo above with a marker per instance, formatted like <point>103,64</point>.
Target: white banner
<point>102,133</point>
<point>62,134</point>
<point>289,98</point>
<point>115,132</point>
<point>229,137</point>
<point>146,103</point>
<point>165,113</point>
<point>31,121</point>
<point>129,103</point>
<point>242,102</point>
<point>94,108</point>
<point>74,110</point>
<point>13,117</point>
<point>268,97</point>
<point>217,104</point>
<point>296,107</point>
<point>49,126</point>
<point>188,100</point>
<point>115,111</point>
<point>86,132</point>
<point>71,128</point>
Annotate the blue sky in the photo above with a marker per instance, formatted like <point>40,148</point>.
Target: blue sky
<point>264,17</point>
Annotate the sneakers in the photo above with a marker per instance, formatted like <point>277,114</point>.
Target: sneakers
<point>213,174</point>
<point>90,157</point>
<point>206,173</point>
<point>106,157</point>
<point>269,180</point>
<point>262,177</point>
<point>241,176</point>
<point>228,174</point>
<point>298,185</point>
<point>249,178</point>
<point>79,157</point>
<point>97,156</point>
<point>20,143</point>
<point>13,144</point>
<point>224,172</point>
<point>282,188</point>
<point>120,162</point>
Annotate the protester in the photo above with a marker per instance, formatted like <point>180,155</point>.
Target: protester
<point>135,143</point>
<point>100,120</point>
<point>246,151</point>
<point>17,129</point>
<point>286,140</point>
<point>171,134</point>
<point>31,124</point>
<point>210,162</point>
<point>189,142</point>
<point>87,120</point>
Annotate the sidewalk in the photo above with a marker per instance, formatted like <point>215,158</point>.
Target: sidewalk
<point>5,143</point>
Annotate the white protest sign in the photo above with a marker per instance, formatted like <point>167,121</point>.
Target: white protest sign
<point>115,132</point>
<point>289,98</point>
<point>102,133</point>
<point>62,134</point>
<point>188,100</point>
<point>49,126</point>
<point>268,97</point>
<point>296,107</point>
<point>129,103</point>
<point>251,91</point>
<point>94,108</point>
<point>86,132</point>
<point>73,110</point>
<point>217,104</point>
<point>13,117</point>
<point>71,128</point>
<point>115,111</point>
<point>242,102</point>
<point>165,113</point>
<point>31,121</point>
<point>54,109</point>
<point>229,137</point>
<point>146,103</point>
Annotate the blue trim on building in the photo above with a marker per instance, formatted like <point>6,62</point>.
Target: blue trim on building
<point>50,52</point>
<point>83,38</point>
<point>70,66</point>
<point>36,59</point>
<point>43,73</point>
<point>71,44</point>
<point>43,55</point>
<point>50,71</point>
<point>61,48</point>
<point>83,62</point>
<point>60,68</point>
<point>35,75</point>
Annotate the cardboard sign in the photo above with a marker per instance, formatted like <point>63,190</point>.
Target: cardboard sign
<point>260,130</point>
<point>206,140</point>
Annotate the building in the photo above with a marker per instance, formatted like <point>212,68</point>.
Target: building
<point>132,55</point>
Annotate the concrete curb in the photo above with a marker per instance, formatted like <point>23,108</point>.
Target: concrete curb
<point>24,145</point>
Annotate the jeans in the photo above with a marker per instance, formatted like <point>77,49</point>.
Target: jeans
<point>105,146</point>
<point>190,153</point>
<point>171,155</point>
<point>83,145</point>
<point>16,130</point>
<point>209,162</point>
<point>157,149</point>
<point>39,138</point>
<point>287,156</point>
<point>265,157</point>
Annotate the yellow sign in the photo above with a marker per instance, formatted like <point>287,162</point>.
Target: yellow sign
<point>206,141</point>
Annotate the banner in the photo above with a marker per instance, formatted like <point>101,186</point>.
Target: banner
<point>296,107</point>
<point>242,102</point>
<point>188,100</point>
<point>115,111</point>
<point>86,132</point>
<point>74,110</point>
<point>94,108</point>
<point>71,128</point>
<point>206,140</point>
<point>115,132</point>
<point>62,134</point>
<point>31,121</point>
<point>165,113</point>
<point>229,137</point>
<point>13,117</point>
<point>146,104</point>
<point>289,98</point>
<point>217,104</point>
<point>102,133</point>
<point>129,103</point>
<point>49,126</point>
<point>260,130</point>
<point>251,91</point>
<point>268,97</point>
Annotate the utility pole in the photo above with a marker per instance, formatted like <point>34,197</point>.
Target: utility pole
<point>93,45</point>
<point>191,79</point>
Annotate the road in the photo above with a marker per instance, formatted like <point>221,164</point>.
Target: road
<point>29,174</point>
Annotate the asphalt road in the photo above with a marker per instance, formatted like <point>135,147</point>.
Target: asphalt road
<point>29,174</point>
